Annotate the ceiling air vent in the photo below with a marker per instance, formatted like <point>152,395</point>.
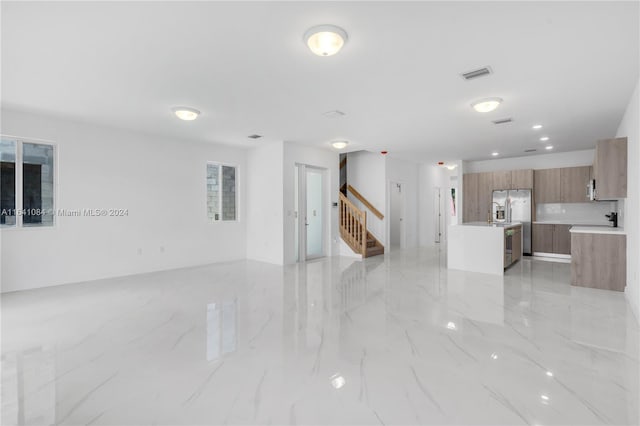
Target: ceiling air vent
<point>334,114</point>
<point>476,73</point>
<point>503,121</point>
<point>254,136</point>
<point>530,150</point>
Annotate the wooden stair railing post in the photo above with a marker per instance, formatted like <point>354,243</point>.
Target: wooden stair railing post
<point>364,234</point>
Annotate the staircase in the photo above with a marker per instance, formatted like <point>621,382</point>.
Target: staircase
<point>353,229</point>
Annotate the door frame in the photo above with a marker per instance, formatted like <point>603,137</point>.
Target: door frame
<point>403,213</point>
<point>301,211</point>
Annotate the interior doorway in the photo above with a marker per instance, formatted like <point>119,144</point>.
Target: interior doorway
<point>310,212</point>
<point>437,214</point>
<point>396,215</point>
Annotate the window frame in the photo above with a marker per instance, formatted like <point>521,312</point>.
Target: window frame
<point>19,140</point>
<point>221,164</point>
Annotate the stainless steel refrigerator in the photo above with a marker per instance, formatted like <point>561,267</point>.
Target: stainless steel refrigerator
<point>517,207</point>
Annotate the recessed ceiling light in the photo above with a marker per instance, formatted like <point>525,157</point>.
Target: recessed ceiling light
<point>186,113</point>
<point>548,147</point>
<point>339,144</point>
<point>486,105</point>
<point>451,166</point>
<point>325,40</point>
<point>536,126</point>
<point>544,138</point>
<point>495,154</point>
<point>452,325</point>
<point>549,373</point>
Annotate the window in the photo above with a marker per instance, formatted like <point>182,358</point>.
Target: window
<point>26,184</point>
<point>221,192</point>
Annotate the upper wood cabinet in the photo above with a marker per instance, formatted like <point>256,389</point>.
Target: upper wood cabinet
<point>547,186</point>
<point>501,180</point>
<point>562,185</point>
<point>573,184</point>
<point>512,179</point>
<point>610,169</point>
<point>522,179</point>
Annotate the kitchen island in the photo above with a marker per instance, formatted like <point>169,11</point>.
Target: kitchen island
<point>484,247</point>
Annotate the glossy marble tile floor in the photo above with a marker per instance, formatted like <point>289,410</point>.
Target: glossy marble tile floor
<point>393,340</point>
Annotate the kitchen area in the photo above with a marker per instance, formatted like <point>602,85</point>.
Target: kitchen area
<point>561,214</point>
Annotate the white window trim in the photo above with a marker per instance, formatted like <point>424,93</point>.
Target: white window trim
<point>18,188</point>
<point>236,184</point>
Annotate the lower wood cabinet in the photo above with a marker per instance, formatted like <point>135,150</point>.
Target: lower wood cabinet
<point>542,238</point>
<point>561,239</point>
<point>599,261</point>
<point>548,238</point>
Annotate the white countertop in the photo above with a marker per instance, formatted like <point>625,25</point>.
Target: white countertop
<point>569,222</point>
<point>597,230</point>
<point>503,225</point>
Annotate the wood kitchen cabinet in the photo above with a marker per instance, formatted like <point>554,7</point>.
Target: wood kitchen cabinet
<point>477,196</point>
<point>573,184</point>
<point>561,239</point>
<point>610,169</point>
<point>550,238</point>
<point>599,261</point>
<point>470,205</point>
<point>542,238</point>
<point>485,195</point>
<point>547,187</point>
<point>501,180</point>
<point>522,179</point>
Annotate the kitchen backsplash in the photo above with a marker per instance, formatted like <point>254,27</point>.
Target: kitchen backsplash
<point>576,213</point>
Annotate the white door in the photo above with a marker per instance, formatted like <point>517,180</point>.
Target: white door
<point>396,220</point>
<point>310,229</point>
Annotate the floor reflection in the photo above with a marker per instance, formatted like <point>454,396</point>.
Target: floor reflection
<point>222,325</point>
<point>28,387</point>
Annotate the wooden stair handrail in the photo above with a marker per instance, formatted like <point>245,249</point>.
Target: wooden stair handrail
<point>366,202</point>
<point>353,225</point>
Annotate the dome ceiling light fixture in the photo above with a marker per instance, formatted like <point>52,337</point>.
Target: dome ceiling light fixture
<point>486,104</point>
<point>186,113</point>
<point>325,40</point>
<point>339,144</point>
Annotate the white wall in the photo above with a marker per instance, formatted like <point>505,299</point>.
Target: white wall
<point>366,172</point>
<point>629,127</point>
<point>264,203</point>
<point>405,172</point>
<point>543,161</point>
<point>324,159</point>
<point>430,177</point>
<point>162,182</point>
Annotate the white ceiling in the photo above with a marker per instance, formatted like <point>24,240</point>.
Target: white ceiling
<point>569,66</point>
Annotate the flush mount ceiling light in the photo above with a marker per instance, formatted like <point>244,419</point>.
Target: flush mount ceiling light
<point>548,147</point>
<point>536,126</point>
<point>544,138</point>
<point>495,154</point>
<point>339,144</point>
<point>487,104</point>
<point>186,113</point>
<point>325,40</point>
